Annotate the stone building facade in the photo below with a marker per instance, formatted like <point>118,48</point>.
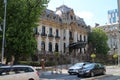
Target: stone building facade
<point>113,36</point>
<point>58,29</point>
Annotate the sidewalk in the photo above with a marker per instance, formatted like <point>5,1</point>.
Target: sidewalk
<point>114,70</point>
<point>57,71</point>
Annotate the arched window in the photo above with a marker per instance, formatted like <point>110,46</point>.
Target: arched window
<point>64,34</point>
<point>71,17</point>
<point>57,32</point>
<point>70,33</point>
<point>64,47</point>
<point>56,47</point>
<point>50,31</point>
<point>80,37</point>
<point>43,45</point>
<point>50,46</point>
<point>84,38</point>
<point>43,29</point>
<point>80,50</point>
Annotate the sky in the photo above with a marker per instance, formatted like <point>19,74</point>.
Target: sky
<point>92,11</point>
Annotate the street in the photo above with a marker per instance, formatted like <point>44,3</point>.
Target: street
<point>112,73</point>
<point>74,77</point>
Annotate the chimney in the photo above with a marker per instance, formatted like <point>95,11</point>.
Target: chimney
<point>96,24</point>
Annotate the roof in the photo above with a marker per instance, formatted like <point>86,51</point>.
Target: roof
<point>64,9</point>
<point>80,20</point>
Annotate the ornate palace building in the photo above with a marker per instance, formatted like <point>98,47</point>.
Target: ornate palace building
<point>61,30</point>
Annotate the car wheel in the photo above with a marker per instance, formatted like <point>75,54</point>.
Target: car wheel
<point>103,72</point>
<point>92,74</point>
<point>78,75</point>
<point>31,79</point>
<point>70,73</point>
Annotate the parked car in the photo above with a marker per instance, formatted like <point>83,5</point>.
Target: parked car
<point>2,64</point>
<point>92,69</point>
<point>74,69</point>
<point>18,72</point>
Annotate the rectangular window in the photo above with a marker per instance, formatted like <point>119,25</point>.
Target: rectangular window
<point>43,29</point>
<point>80,38</point>
<point>64,34</point>
<point>84,38</point>
<point>57,33</point>
<point>50,31</point>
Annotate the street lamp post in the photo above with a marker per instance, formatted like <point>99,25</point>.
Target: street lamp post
<point>4,25</point>
<point>115,56</point>
<point>93,55</point>
<point>1,26</point>
<point>118,2</point>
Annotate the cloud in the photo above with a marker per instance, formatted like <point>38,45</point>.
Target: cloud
<point>85,15</point>
<point>88,17</point>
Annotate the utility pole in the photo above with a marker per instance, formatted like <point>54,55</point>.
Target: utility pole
<point>4,25</point>
<point>118,2</point>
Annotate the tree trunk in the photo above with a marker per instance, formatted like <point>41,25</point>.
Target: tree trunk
<point>10,60</point>
<point>16,58</point>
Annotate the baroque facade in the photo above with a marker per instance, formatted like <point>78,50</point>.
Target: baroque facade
<point>58,29</point>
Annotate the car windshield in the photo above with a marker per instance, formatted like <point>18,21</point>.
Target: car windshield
<point>78,64</point>
<point>89,66</point>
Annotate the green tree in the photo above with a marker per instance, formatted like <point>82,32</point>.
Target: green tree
<point>22,17</point>
<point>99,38</point>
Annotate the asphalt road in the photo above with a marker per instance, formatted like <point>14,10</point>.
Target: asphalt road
<point>112,77</point>
<point>112,73</point>
<point>74,77</point>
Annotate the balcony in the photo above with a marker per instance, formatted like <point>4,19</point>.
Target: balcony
<point>36,34</point>
<point>50,35</point>
<point>43,34</point>
<point>70,38</point>
<point>57,36</point>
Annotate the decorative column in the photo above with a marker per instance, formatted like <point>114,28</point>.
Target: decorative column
<point>67,37</point>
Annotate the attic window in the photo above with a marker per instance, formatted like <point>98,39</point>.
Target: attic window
<point>54,17</point>
<point>71,17</point>
<point>47,15</point>
<point>60,19</point>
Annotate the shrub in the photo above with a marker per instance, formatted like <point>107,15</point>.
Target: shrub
<point>29,63</point>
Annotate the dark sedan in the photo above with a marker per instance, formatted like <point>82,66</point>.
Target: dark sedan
<point>92,69</point>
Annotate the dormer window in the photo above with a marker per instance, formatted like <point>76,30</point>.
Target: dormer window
<point>60,20</point>
<point>47,15</point>
<point>71,17</point>
<point>54,17</point>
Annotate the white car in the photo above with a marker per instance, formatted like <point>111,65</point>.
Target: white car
<point>18,72</point>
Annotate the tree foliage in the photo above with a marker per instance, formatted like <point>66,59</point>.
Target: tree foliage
<point>21,19</point>
<point>99,38</point>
